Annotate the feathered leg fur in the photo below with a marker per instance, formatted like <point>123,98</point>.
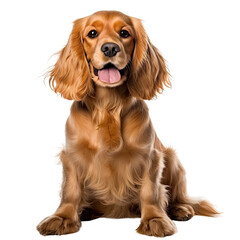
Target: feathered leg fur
<point>181,207</point>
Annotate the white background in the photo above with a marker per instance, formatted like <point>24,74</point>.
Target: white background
<point>199,116</point>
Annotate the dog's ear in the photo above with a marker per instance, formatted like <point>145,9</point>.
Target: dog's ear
<point>149,72</point>
<point>71,75</point>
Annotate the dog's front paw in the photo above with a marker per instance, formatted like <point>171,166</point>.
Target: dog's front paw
<point>55,225</point>
<point>158,227</point>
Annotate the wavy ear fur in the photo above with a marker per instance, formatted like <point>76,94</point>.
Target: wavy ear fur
<point>71,75</point>
<point>149,73</point>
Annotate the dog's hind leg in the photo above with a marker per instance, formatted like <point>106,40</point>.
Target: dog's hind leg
<point>180,206</point>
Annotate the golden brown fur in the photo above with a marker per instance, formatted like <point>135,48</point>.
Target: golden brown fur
<point>114,165</point>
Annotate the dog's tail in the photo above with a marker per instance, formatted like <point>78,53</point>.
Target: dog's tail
<point>203,208</point>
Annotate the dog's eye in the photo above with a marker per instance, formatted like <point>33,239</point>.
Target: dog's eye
<point>124,34</point>
<point>92,34</point>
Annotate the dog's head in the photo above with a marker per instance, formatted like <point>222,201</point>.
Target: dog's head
<point>109,48</point>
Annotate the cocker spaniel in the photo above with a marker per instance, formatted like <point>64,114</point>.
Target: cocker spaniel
<point>114,165</point>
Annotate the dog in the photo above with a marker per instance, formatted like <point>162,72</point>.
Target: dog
<point>114,165</point>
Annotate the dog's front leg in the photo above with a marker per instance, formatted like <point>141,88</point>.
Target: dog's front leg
<point>153,199</point>
<point>65,219</point>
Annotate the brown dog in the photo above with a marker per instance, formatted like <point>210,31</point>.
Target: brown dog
<point>114,165</point>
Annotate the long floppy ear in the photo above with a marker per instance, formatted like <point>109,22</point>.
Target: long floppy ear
<point>71,75</point>
<point>149,73</point>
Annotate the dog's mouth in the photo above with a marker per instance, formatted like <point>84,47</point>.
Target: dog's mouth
<point>109,73</point>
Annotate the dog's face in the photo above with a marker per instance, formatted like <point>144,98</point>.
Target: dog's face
<point>109,49</point>
<point>108,41</point>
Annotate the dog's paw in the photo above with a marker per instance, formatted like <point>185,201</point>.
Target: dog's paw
<point>181,212</point>
<point>158,227</point>
<point>55,225</point>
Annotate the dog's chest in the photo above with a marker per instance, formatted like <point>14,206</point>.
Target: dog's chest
<point>115,178</point>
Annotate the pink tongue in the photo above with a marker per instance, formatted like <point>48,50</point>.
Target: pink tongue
<point>109,75</point>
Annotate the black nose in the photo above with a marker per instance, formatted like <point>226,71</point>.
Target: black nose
<point>110,49</point>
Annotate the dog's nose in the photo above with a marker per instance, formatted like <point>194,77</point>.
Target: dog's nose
<point>110,49</point>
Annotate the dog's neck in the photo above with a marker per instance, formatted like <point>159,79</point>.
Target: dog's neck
<point>108,99</point>
<point>107,109</point>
